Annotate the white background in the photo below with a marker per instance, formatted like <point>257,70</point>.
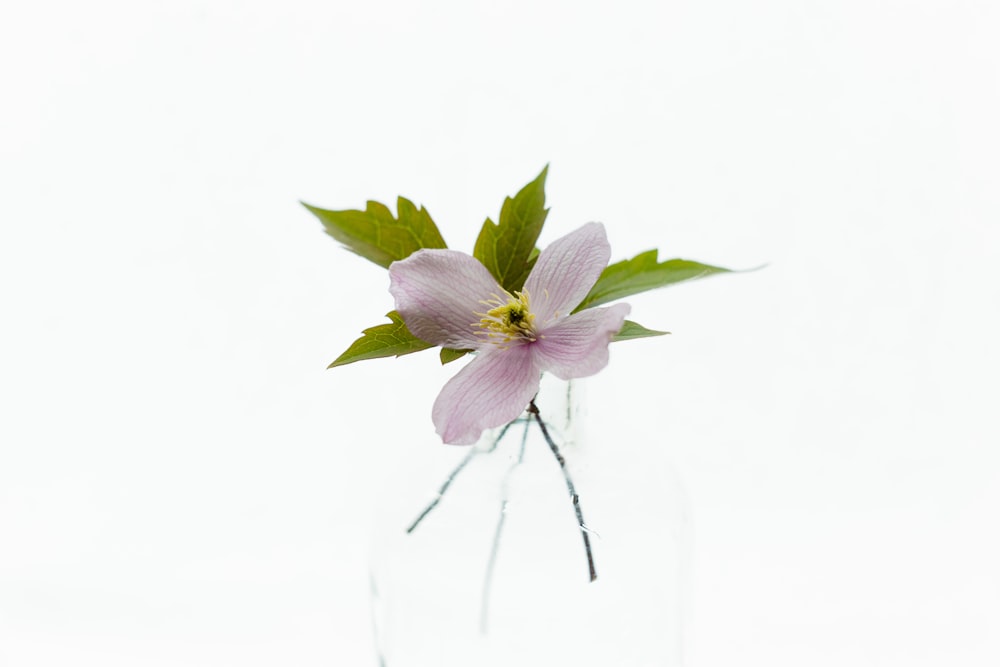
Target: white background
<point>183,483</point>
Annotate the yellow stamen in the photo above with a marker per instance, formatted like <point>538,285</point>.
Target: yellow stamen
<point>508,319</point>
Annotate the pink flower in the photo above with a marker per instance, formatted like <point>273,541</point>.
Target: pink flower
<point>450,299</point>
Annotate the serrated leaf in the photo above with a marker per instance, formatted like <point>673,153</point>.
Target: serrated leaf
<point>384,340</point>
<point>507,247</point>
<point>377,235</point>
<point>641,273</point>
<point>630,331</point>
<point>449,355</point>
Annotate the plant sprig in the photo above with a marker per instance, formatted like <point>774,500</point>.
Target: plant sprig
<point>507,248</point>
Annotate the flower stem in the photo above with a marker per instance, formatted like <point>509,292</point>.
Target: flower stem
<point>533,410</point>
<point>491,564</point>
<point>454,473</point>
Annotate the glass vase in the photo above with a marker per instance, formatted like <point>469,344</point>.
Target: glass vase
<point>559,539</point>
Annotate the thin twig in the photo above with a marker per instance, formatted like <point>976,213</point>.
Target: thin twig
<point>376,607</point>
<point>488,581</point>
<point>533,409</point>
<point>454,473</point>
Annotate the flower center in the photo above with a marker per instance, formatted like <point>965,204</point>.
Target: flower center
<point>508,319</point>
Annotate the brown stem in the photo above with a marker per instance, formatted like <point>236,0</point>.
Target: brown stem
<point>491,564</point>
<point>454,473</point>
<point>533,410</point>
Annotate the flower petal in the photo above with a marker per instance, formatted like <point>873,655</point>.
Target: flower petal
<point>577,346</point>
<point>438,294</point>
<point>492,390</point>
<point>566,270</point>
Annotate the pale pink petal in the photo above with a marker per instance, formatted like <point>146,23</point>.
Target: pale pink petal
<point>438,293</point>
<point>492,390</point>
<point>578,345</point>
<point>565,272</point>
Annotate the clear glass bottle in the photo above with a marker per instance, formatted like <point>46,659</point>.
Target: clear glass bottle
<point>479,558</point>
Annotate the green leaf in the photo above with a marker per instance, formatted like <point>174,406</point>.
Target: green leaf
<point>643,272</point>
<point>507,248</point>
<point>384,340</point>
<point>630,331</point>
<point>376,235</point>
<point>449,355</point>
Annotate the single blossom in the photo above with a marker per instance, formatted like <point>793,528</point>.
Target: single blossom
<point>450,299</point>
